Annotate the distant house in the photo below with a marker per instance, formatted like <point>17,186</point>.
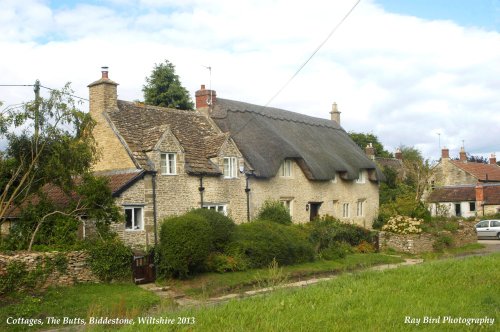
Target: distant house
<point>228,156</point>
<point>462,188</point>
<point>396,163</point>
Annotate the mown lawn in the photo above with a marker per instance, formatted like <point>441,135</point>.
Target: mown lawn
<point>81,301</point>
<point>367,301</point>
<point>213,284</point>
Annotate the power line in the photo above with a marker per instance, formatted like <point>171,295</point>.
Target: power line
<point>314,53</point>
<point>45,87</point>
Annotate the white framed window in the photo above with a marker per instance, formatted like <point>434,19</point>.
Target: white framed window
<point>345,210</point>
<point>361,177</point>
<point>168,163</point>
<point>221,208</point>
<point>134,218</point>
<point>288,204</point>
<point>286,168</point>
<point>360,208</point>
<point>230,167</point>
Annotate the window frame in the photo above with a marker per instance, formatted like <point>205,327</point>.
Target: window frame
<point>288,204</point>
<point>134,226</point>
<point>361,177</point>
<point>168,168</point>
<point>345,210</point>
<point>231,168</point>
<point>286,168</point>
<point>216,206</point>
<point>360,208</point>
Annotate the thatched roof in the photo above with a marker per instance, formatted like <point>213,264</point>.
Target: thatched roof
<point>266,136</point>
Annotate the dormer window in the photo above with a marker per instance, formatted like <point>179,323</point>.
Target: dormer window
<point>361,177</point>
<point>230,167</point>
<point>286,168</point>
<point>168,163</point>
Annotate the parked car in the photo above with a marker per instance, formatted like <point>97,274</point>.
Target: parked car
<point>488,228</point>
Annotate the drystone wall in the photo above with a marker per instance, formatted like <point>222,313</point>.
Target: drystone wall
<point>419,243</point>
<point>73,269</point>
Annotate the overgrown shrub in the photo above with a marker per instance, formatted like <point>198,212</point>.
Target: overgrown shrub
<point>110,259</point>
<point>442,242</point>
<point>336,250</point>
<point>185,243</point>
<point>327,231</point>
<point>274,211</point>
<point>262,241</point>
<point>222,227</point>
<point>403,225</point>
<point>217,262</point>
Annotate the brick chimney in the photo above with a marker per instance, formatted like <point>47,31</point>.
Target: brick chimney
<point>493,159</point>
<point>370,151</point>
<point>205,99</point>
<point>335,114</point>
<point>463,155</point>
<point>398,154</point>
<point>102,94</point>
<point>445,153</point>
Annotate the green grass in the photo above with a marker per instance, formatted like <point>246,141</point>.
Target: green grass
<point>365,301</point>
<point>81,301</point>
<point>213,284</point>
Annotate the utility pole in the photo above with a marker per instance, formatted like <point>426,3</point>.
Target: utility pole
<point>37,113</point>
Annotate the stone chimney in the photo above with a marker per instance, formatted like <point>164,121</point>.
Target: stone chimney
<point>493,159</point>
<point>463,155</point>
<point>102,94</point>
<point>398,154</point>
<point>205,99</point>
<point>445,153</point>
<point>335,114</point>
<point>370,151</point>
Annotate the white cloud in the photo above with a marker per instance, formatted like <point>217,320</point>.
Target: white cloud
<point>402,78</point>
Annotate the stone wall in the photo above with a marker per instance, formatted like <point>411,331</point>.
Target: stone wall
<point>419,243</point>
<point>77,270</point>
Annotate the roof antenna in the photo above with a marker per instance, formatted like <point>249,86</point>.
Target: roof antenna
<point>209,101</point>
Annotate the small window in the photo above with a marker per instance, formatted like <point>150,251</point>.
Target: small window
<point>230,167</point>
<point>361,177</point>
<point>168,164</point>
<point>359,208</point>
<point>286,168</point>
<point>345,210</point>
<point>133,218</point>
<point>221,208</point>
<point>472,206</point>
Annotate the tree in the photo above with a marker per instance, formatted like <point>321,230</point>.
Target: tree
<point>163,88</point>
<point>362,140</point>
<point>48,140</point>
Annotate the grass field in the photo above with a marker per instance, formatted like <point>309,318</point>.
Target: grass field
<point>368,301</point>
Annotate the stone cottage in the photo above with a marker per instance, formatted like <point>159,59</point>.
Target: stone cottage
<point>465,189</point>
<point>228,156</point>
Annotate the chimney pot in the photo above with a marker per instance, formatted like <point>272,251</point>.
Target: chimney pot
<point>463,155</point>
<point>335,114</point>
<point>205,98</point>
<point>398,154</point>
<point>370,151</point>
<point>445,153</point>
<point>493,159</point>
<point>104,72</point>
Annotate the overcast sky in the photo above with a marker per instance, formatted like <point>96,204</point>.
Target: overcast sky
<point>403,70</point>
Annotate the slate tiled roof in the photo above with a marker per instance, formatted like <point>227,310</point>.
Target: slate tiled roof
<point>141,126</point>
<point>491,194</point>
<point>482,172</point>
<point>454,194</point>
<point>117,183</point>
<point>266,136</point>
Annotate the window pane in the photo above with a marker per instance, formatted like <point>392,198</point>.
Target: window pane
<point>226,168</point>
<point>163,164</point>
<point>171,163</point>
<point>138,218</point>
<point>128,218</point>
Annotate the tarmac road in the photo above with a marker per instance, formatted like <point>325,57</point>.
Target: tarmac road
<point>492,245</point>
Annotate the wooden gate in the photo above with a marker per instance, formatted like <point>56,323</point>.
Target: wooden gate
<point>143,269</point>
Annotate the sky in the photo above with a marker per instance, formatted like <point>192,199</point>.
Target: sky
<point>416,73</point>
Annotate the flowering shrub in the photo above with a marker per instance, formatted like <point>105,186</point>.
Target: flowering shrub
<point>403,225</point>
